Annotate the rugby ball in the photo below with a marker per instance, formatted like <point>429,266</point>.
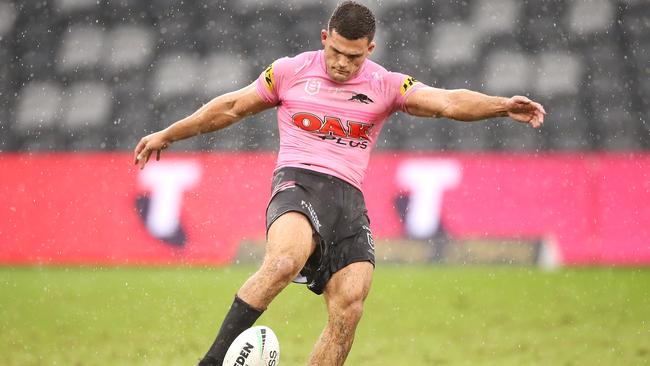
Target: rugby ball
<point>256,346</point>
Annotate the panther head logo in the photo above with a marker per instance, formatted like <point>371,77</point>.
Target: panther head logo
<point>362,98</point>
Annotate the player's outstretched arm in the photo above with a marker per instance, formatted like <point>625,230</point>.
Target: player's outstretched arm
<point>467,105</point>
<point>220,112</point>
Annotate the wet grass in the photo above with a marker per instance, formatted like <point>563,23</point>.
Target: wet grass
<point>414,316</point>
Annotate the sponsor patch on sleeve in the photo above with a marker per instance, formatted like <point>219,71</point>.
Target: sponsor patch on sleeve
<point>268,77</point>
<point>407,84</point>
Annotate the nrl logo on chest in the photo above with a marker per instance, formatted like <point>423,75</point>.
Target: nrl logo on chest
<point>312,86</point>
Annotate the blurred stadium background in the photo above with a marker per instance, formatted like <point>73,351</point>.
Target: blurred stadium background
<point>95,75</point>
<point>82,80</point>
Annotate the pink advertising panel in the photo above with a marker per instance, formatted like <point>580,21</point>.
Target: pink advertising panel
<point>196,208</point>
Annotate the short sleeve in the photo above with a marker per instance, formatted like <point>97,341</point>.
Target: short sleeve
<point>401,86</point>
<point>269,83</point>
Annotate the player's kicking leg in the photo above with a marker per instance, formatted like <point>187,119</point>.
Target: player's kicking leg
<point>344,296</point>
<point>290,242</point>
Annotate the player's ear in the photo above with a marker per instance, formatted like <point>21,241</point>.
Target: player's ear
<point>323,36</point>
<point>371,47</point>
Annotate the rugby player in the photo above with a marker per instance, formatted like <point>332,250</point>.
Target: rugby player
<point>331,106</point>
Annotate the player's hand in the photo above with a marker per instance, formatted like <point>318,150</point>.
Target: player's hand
<point>524,110</point>
<point>156,141</point>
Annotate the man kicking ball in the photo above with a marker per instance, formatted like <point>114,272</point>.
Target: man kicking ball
<point>332,104</point>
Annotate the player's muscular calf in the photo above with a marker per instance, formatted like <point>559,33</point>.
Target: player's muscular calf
<point>344,295</point>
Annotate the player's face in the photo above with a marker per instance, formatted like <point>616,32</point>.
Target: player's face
<point>343,56</point>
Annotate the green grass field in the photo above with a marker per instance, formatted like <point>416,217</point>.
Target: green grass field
<point>414,316</point>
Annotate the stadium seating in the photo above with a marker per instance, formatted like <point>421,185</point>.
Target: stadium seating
<point>453,43</point>
<point>87,74</point>
<point>588,17</point>
<point>495,16</point>
<point>6,106</point>
<point>215,81</point>
<point>8,15</point>
<point>81,50</point>
<point>38,112</point>
<point>86,108</point>
<point>133,115</point>
<point>128,48</point>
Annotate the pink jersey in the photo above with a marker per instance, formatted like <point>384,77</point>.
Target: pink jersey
<point>326,126</point>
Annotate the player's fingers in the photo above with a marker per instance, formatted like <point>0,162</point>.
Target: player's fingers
<point>537,107</point>
<point>136,152</point>
<point>158,154</point>
<point>530,119</point>
<point>538,120</point>
<point>534,108</point>
<point>143,157</point>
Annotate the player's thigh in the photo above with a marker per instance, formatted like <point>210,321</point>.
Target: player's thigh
<point>349,286</point>
<point>290,235</point>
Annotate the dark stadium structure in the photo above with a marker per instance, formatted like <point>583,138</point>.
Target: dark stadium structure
<point>95,75</point>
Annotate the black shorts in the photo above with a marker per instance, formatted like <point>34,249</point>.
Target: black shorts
<point>337,213</point>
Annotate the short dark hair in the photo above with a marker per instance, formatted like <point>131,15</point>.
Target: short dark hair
<point>353,21</point>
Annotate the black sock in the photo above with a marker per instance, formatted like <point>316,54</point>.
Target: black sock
<point>240,317</point>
